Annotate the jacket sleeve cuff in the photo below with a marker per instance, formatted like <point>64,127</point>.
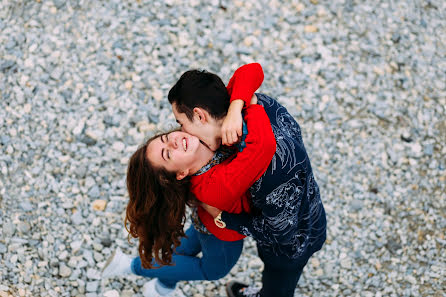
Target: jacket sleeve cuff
<point>234,221</point>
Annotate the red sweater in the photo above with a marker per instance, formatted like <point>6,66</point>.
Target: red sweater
<point>225,185</point>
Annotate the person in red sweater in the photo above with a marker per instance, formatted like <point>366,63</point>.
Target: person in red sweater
<point>162,177</point>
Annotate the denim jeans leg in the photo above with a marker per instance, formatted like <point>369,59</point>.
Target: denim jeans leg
<point>217,256</point>
<point>190,246</point>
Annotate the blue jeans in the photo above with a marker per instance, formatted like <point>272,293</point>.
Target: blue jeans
<point>217,260</point>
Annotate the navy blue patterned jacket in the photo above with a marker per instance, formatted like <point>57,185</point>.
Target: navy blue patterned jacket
<point>288,217</point>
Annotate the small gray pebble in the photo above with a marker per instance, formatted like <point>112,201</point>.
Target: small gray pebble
<point>24,227</point>
<point>77,218</point>
<point>94,192</point>
<point>356,205</point>
<point>92,286</point>
<point>3,248</point>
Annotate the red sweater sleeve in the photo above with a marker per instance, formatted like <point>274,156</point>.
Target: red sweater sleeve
<point>227,182</point>
<point>245,81</point>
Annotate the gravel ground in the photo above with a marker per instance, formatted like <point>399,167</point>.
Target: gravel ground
<point>82,83</point>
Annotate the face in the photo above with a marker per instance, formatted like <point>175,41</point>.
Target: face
<point>202,126</point>
<point>176,152</point>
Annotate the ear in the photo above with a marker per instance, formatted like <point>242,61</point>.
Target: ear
<point>201,115</point>
<point>182,174</point>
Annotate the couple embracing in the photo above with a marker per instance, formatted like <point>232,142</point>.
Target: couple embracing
<point>240,163</point>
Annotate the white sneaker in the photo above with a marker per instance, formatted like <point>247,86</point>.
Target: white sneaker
<point>118,264</point>
<point>149,290</point>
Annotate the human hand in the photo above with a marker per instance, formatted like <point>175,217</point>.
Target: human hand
<point>231,129</point>
<point>213,211</point>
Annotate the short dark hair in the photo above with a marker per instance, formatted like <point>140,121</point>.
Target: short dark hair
<point>199,88</point>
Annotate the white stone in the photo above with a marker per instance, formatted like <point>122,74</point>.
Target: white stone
<point>256,263</point>
<point>346,263</point>
<point>27,108</point>
<point>118,146</point>
<point>63,255</point>
<point>111,293</point>
<point>32,47</point>
<point>417,149</point>
<point>411,279</point>
<point>22,292</point>
<point>319,126</point>
<point>157,95</point>
<point>128,85</point>
<point>76,246</point>
<point>64,270</point>
<point>92,286</point>
<point>79,128</point>
<point>93,274</point>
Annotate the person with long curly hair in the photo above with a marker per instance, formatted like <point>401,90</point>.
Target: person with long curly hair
<point>156,212</point>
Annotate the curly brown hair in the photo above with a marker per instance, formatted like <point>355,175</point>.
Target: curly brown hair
<point>157,208</point>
